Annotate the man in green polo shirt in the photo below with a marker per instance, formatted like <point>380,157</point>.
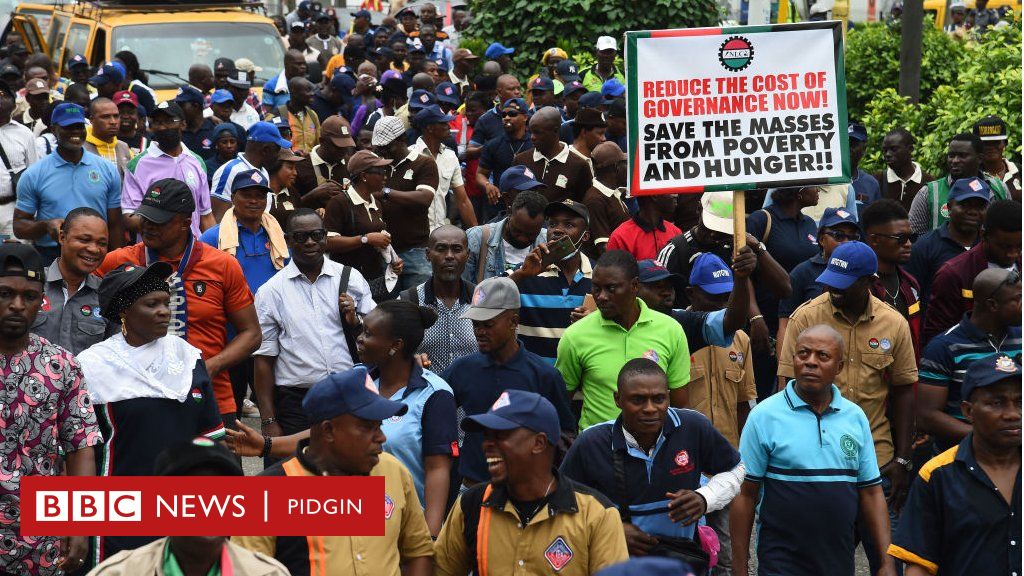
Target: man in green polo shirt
<point>594,349</point>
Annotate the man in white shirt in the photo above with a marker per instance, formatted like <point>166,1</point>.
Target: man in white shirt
<point>433,124</point>
<point>19,152</point>
<point>238,84</point>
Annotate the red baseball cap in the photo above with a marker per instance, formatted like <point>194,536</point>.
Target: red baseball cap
<point>126,97</point>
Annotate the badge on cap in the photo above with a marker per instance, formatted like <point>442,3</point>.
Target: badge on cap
<point>558,554</point>
<point>501,402</point>
<point>975,185</point>
<point>1005,364</point>
<point>478,297</point>
<point>448,90</point>
<point>842,213</point>
<point>424,98</point>
<point>528,173</point>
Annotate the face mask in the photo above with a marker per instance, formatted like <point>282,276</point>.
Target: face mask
<point>576,245</point>
<point>167,139</point>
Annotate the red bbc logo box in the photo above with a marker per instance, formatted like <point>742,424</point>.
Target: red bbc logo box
<point>204,506</point>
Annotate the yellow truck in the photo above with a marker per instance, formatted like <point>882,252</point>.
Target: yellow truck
<point>939,9</point>
<point>167,37</point>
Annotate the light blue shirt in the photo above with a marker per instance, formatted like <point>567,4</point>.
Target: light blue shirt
<point>52,187</point>
<point>224,177</point>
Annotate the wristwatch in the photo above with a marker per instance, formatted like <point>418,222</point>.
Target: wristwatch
<point>761,248</point>
<point>905,463</point>
<point>387,192</point>
<point>364,239</point>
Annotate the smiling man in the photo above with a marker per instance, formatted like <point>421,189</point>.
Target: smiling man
<point>529,517</point>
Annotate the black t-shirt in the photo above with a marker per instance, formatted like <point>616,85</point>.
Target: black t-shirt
<point>499,153</point>
<point>678,254</point>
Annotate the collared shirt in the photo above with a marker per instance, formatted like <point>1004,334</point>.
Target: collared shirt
<point>462,83</point>
<point>253,253</point>
<point>405,529</point>
<point>499,153</point>
<point>790,240</point>
<point>451,336</point>
<point>804,281</point>
<point>449,177</point>
<point>72,323</point>
<point>487,127</point>
<point>592,80</point>
<point>593,350</point>
<point>428,428</point>
<point>948,355</point>
<point>956,521</point>
<point>576,532</point>
<point>201,140</point>
<point>607,212</point>
<point>20,146</point>
<point>246,116</point>
<point>414,172</point>
<point>565,174</point>
<point>810,468</point>
<point>313,171</point>
<point>642,239</point>
<point>58,418</point>
<point>930,208</point>
<point>866,187</point>
<point>900,190</point>
<point>879,355</point>
<point>494,251</point>
<point>154,164</point>
<point>53,187</point>
<point>477,381</point>
<point>224,177</point>
<point>113,151</point>
<point>720,378</point>
<point>347,214</point>
<point>906,301</point>
<point>302,324</point>
<point>929,253</point>
<point>547,301</point>
<point>687,448</point>
<point>275,93</point>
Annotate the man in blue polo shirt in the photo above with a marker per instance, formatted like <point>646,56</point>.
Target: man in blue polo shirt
<point>650,459</point>
<point>549,295</point>
<point>810,460</point>
<point>60,182</point>
<point>963,513</point>
<point>991,328</point>
<point>502,363</point>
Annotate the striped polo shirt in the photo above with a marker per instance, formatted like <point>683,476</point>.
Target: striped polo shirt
<point>547,299</point>
<point>810,468</point>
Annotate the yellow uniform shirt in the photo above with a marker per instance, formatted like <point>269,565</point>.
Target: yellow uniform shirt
<point>720,378</point>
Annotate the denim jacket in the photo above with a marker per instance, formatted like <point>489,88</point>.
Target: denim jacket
<point>495,250</point>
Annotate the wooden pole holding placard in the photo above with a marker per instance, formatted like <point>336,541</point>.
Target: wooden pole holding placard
<point>739,221</point>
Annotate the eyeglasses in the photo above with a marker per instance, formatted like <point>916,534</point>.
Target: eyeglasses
<point>839,236</point>
<point>302,237</point>
<point>900,239</point>
<point>509,114</point>
<point>1012,277</point>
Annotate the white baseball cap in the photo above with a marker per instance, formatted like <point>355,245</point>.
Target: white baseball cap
<point>716,212</point>
<point>606,43</point>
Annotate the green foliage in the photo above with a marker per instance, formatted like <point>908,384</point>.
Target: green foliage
<point>985,79</point>
<point>574,25</point>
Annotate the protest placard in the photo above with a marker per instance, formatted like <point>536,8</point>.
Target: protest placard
<point>736,108</point>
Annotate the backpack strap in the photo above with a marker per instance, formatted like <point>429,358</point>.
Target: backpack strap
<point>471,504</point>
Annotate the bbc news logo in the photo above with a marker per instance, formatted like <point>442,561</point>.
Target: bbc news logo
<point>206,506</point>
<point>89,506</point>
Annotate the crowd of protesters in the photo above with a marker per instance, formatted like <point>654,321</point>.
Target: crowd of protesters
<point>408,261</point>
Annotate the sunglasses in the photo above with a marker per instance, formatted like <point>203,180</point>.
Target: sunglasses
<point>840,236</point>
<point>377,171</point>
<point>302,237</point>
<point>1012,277</point>
<point>509,114</point>
<point>900,239</point>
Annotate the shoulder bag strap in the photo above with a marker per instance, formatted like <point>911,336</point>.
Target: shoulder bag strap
<point>484,251</point>
<point>767,226</point>
<point>621,487</point>
<point>350,331</point>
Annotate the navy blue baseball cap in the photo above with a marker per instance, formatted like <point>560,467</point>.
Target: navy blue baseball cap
<point>496,49</point>
<point>448,93</point>
<point>349,392</point>
<point>711,274</point>
<point>517,409</point>
<point>836,216</point>
<point>109,72</point>
<point>849,262</point>
<point>857,132</point>
<point>591,100</point>
<point>567,70</point>
<point>612,89</point>
<point>519,178</point>
<point>988,372</point>
<point>652,271</point>
<point>266,132</point>
<point>420,99</point>
<point>343,83</point>
<point>221,96</point>
<point>431,115</point>
<point>573,87</point>
<point>649,566</point>
<point>543,84</point>
<point>224,128</point>
<point>76,61</point>
<point>67,114</point>
<point>972,187</point>
<point>361,14</point>
<point>250,179</point>
<point>517,103</point>
<point>189,94</point>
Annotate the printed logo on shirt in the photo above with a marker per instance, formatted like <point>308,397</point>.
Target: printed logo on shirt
<point>885,344</point>
<point>812,239</point>
<point>199,287</point>
<point>94,176</point>
<point>849,446</point>
<point>389,507</point>
<point>45,307</point>
<point>408,175</point>
<point>561,181</point>
<point>651,354</point>
<point>873,343</point>
<point>206,143</point>
<point>86,310</point>
<point>682,462</point>
<point>197,395</point>
<point>558,554</point>
<point>501,402</point>
<point>944,210</point>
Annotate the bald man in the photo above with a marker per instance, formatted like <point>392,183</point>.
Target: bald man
<point>490,124</point>
<point>201,77</point>
<point>566,175</point>
<point>812,491</point>
<point>604,199</point>
<point>992,328</point>
<point>304,122</point>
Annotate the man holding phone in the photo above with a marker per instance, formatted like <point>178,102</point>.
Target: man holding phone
<point>554,279</point>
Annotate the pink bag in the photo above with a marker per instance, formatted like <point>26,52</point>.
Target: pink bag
<point>709,542</point>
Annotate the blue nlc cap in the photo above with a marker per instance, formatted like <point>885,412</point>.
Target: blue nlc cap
<point>612,89</point>
<point>836,216</point>
<point>266,132</point>
<point>448,93</point>
<point>250,179</point>
<point>857,132</point>
<point>517,409</point>
<point>519,178</point>
<point>76,61</point>
<point>109,72</point>
<point>496,49</point>
<point>651,271</point>
<point>221,96</point>
<point>711,274</point>
<point>591,100</point>
<point>431,115</point>
<point>649,566</point>
<point>420,99</point>
<point>349,392</point>
<point>67,114</point>
<point>189,94</point>
<point>972,187</point>
<point>988,372</point>
<point>543,84</point>
<point>518,103</point>
<point>849,262</point>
